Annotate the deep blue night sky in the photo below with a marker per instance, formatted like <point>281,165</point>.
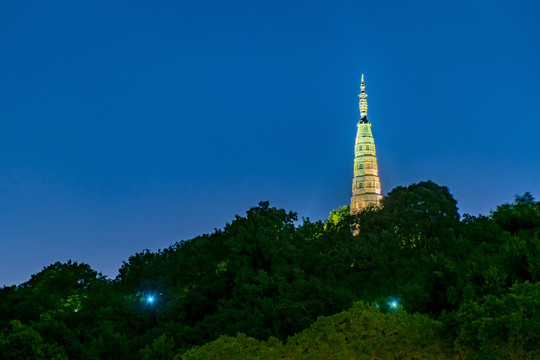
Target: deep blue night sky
<point>127,125</point>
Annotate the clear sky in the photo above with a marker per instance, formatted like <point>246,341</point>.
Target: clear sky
<point>127,125</point>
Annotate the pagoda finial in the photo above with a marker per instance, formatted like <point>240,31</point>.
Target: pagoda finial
<point>363,101</point>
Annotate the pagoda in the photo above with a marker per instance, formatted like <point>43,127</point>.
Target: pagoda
<point>366,187</point>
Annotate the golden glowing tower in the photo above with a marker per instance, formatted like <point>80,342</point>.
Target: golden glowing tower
<point>366,187</point>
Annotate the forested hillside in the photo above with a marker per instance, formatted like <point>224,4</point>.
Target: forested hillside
<point>411,280</point>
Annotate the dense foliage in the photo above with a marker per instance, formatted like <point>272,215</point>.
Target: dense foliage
<point>362,332</point>
<point>258,286</point>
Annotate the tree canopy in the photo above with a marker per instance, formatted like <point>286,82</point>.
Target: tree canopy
<point>265,284</point>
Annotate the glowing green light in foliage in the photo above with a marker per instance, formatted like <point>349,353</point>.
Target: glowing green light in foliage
<point>147,299</point>
<point>393,304</point>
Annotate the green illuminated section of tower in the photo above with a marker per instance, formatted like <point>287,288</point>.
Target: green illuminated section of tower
<point>366,187</point>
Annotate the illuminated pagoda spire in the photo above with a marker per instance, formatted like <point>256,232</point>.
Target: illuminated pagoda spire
<point>363,102</point>
<point>366,189</point>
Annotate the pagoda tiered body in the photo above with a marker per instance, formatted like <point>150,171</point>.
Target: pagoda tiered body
<point>366,187</point>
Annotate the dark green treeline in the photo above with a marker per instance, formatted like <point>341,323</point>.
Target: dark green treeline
<point>416,278</point>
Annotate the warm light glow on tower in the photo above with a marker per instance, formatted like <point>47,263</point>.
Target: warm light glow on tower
<point>366,183</point>
<point>363,102</point>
